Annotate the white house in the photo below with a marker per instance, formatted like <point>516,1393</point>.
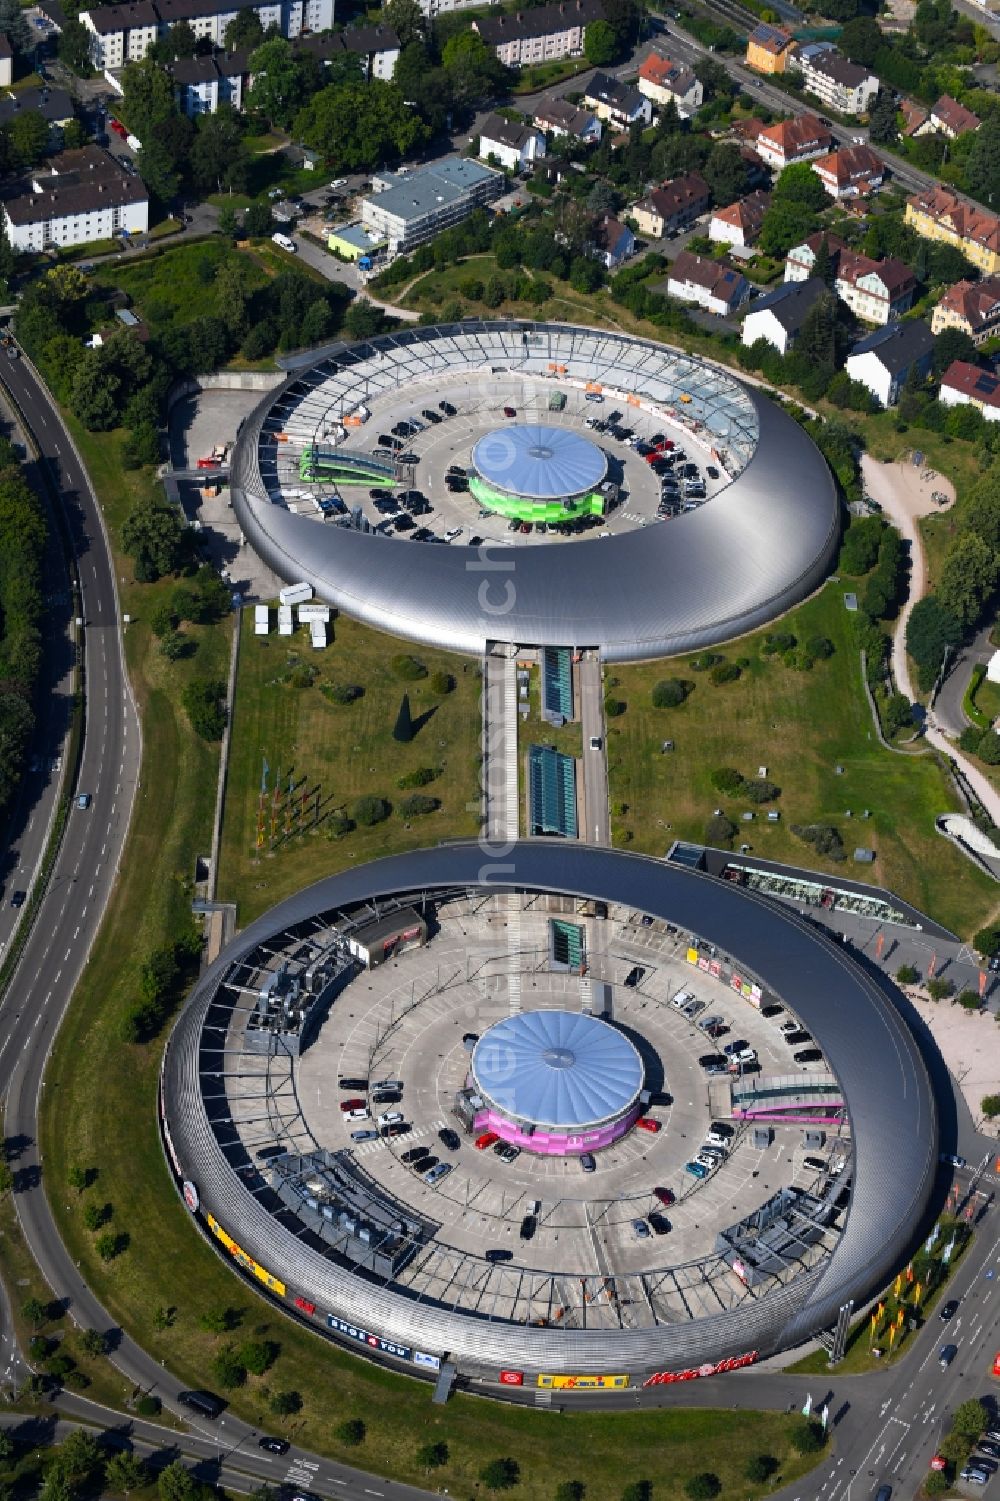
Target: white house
<point>613,243</point>
<point>883,360</point>
<point>201,84</point>
<point>851,172</point>
<point>514,145</point>
<point>662,80</point>
<point>76,198</point>
<point>618,103</point>
<point>967,385</point>
<point>796,140</point>
<point>560,118</point>
<point>714,285</point>
<point>739,224</point>
<point>541,34</point>
<point>777,317</point>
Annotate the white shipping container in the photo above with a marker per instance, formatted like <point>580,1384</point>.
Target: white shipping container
<point>314,611</point>
<point>295,594</point>
<point>317,633</point>
<point>285,623</point>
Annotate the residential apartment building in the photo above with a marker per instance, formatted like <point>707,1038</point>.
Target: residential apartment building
<point>672,207</point>
<point>714,285</point>
<point>618,103</point>
<point>796,140</point>
<point>410,207</point>
<point>972,306</point>
<point>201,84</point>
<point>560,118</point>
<point>540,35</point>
<point>124,33</point>
<point>376,47</point>
<point>966,385</point>
<point>875,291</point>
<point>769,49</point>
<point>514,146</point>
<point>77,198</point>
<point>662,80</point>
<point>740,223</point>
<point>839,84</point>
<point>883,360</point>
<point>948,118</point>
<point>432,8</point>
<point>778,316</point>
<point>851,172</point>
<point>937,213</point>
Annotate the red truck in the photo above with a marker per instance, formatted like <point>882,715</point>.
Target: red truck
<point>118,128</point>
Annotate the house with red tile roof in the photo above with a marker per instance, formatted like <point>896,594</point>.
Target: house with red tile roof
<point>796,140</point>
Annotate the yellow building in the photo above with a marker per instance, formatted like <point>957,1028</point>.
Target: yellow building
<point>769,49</point>
<point>937,214</point>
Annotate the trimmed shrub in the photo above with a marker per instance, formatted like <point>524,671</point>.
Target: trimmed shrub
<point>719,831</point>
<point>419,777</point>
<point>613,707</point>
<point>727,779</point>
<point>726,672</point>
<point>669,693</point>
<point>760,790</point>
<point>442,682</point>
<point>408,668</point>
<point>907,974</point>
<point>343,693</point>
<point>370,810</point>
<point>352,1433</point>
<point>417,804</point>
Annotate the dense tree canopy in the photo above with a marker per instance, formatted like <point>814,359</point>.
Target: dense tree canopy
<point>359,126</point>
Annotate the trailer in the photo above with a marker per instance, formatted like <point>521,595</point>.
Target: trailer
<point>261,620</point>
<point>295,594</point>
<point>285,623</point>
<point>313,610</point>
<point>317,634</point>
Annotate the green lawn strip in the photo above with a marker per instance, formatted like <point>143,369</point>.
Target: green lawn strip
<point>858,1358</point>
<point>969,698</point>
<point>800,725</point>
<point>344,751</point>
<point>24,1283</point>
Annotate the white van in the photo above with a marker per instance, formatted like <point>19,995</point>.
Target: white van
<point>284,243</point>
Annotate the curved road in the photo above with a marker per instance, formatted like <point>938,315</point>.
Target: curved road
<point>54,956</point>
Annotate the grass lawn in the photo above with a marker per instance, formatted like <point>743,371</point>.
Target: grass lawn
<point>343,751</point>
<point>179,284</point>
<point>800,725</point>
<point>544,75</point>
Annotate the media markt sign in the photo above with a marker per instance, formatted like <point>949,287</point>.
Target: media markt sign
<point>734,1363</point>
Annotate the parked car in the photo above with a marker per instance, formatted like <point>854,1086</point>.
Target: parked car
<point>390,1118</point>
<point>498,1254</point>
<point>732,1048</point>
<point>510,411</point>
<point>696,1169</point>
<point>708,1161</point>
<point>529,1225</point>
<point>506,1151</point>
<point>808,1055</point>
<point>951,1160</point>
<point>437,1173</point>
<point>414,1155</point>
<point>640,1229</point>
<point>587,1162</point>
<point>447,408</point>
<point>364,1135</point>
<point>274,1445</point>
<point>449,1138</point>
<point>486,1140</point>
<point>649,1123</point>
<point>659,1223</point>
<point>433,417</point>
<point>637,971</point>
<point>352,1104</point>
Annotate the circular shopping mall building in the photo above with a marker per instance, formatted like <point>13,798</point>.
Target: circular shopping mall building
<point>440,1136</point>
<point>538,485</point>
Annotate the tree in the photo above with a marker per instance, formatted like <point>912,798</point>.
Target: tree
<point>703,1487</point>
<point>473,70</point>
<point>897,713</point>
<point>244,32</point>
<point>500,1474</point>
<point>78,1177</point>
<point>93,1342</point>
<point>987,942</point>
<point>142,446</point>
<point>968,577</point>
<point>352,1432</point>
<point>808,1437</point>
<point>725,171</point>
<point>285,1404</point>
<point>990,1106</point>
<point>971,1419</point>
<point>279,84</point>
<point>982,165</point>
<point>785,224</point>
<point>861,39</point>
<point>229,1369</point>
<point>719,830</point>
<point>930,630</point>
<point>360,125</point>
<point>370,810</point>
<point>623,16</point>
<point>907,975</point>
<point>14,25</point>
<point>432,1455</point>
<point>570,1490</point>
<point>158,169</point>
<point>258,1355</point>
<point>798,183</point>
<point>600,45</point>
<point>74,47</point>
<point>29,136</point>
<point>76,1460</point>
<point>760,1468</point>
<point>155,537</point>
<point>220,159</point>
<point>952,344</point>
<point>96,1215</point>
<point>176,1483</point>
<point>35,1311</point>
<point>204,704</point>
<point>108,1245</point>
<point>817,340</point>
<point>882,127</point>
<point>125,1472</point>
<point>407,20</point>
<point>669,693</point>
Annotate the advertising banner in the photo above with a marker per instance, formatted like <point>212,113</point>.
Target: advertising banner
<point>734,1363</point>
<point>373,1341</point>
<point>236,1251</point>
<point>512,1378</point>
<point>582,1383</point>
<point>429,1362</point>
<point>692,956</point>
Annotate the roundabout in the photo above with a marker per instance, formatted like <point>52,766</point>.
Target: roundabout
<point>371,1141</point>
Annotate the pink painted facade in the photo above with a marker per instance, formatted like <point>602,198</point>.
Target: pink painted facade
<point>556,1143</point>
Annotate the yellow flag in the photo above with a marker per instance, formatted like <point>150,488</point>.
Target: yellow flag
<point>898,1284</point>
<point>892,1334</point>
<point>899,1318</point>
<point>917,1291</point>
